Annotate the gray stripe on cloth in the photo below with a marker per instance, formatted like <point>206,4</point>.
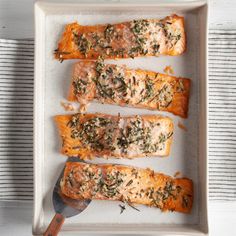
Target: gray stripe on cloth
<point>16,119</point>
<point>222,114</point>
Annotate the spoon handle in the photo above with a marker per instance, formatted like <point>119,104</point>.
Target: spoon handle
<point>55,225</point>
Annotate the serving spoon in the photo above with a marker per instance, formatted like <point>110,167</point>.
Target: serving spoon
<point>64,207</point>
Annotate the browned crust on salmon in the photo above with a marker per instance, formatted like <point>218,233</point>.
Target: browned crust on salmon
<point>169,93</point>
<point>136,38</point>
<point>100,135</point>
<point>127,184</point>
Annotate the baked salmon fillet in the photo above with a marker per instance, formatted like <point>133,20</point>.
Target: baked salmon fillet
<point>128,184</point>
<point>99,135</point>
<point>113,84</point>
<point>131,39</point>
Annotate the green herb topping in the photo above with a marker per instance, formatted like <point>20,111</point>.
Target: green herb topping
<point>180,86</point>
<point>84,45</point>
<point>139,29</point>
<point>122,208</point>
<point>164,96</point>
<point>98,134</point>
<point>80,86</point>
<point>149,90</point>
<point>109,32</point>
<point>109,186</point>
<point>172,35</point>
<point>185,201</point>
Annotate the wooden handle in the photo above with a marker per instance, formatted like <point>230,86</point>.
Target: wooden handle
<point>55,225</point>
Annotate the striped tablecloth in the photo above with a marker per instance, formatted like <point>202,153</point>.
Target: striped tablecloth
<point>222,114</point>
<point>16,119</point>
<point>16,110</point>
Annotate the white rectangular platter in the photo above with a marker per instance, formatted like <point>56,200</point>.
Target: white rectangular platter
<point>189,149</point>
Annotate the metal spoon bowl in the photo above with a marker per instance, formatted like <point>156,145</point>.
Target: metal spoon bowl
<point>64,206</point>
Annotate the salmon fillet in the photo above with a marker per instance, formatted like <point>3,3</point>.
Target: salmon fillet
<point>131,39</point>
<point>99,135</point>
<point>127,184</point>
<point>113,84</point>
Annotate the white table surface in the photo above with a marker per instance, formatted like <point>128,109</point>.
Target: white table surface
<point>16,21</point>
